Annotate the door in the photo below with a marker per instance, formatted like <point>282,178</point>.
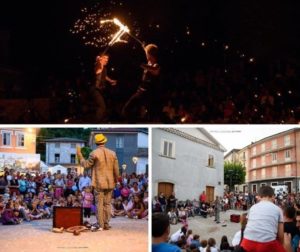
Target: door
<point>289,184</point>
<point>210,193</point>
<point>165,188</point>
<point>254,188</point>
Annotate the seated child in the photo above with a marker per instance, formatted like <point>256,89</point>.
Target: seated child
<point>137,211</point>
<point>9,217</point>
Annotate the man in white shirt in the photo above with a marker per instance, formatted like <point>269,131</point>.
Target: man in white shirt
<point>84,181</point>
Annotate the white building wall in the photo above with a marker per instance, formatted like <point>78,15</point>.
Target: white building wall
<point>64,150</point>
<point>142,140</point>
<point>188,171</point>
<point>141,165</point>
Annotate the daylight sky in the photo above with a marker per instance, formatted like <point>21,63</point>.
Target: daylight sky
<point>239,136</point>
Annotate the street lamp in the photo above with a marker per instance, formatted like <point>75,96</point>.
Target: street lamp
<point>124,166</point>
<point>135,160</point>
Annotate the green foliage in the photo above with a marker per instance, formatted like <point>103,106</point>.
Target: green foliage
<point>85,151</point>
<point>234,174</point>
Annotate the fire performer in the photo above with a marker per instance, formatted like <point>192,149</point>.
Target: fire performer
<point>145,94</point>
<point>101,81</point>
<point>105,172</point>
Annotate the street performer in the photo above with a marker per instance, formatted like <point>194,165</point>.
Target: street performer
<point>105,172</point>
<point>101,81</point>
<point>146,93</point>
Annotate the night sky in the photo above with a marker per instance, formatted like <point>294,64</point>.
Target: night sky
<point>40,36</point>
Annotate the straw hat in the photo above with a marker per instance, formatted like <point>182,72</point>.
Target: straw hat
<point>100,139</point>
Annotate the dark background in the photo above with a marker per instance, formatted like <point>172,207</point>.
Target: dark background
<point>39,36</point>
<point>39,53</point>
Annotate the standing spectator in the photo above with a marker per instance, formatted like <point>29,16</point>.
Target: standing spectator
<point>87,201</point>
<point>59,186</point>
<point>172,201</point>
<point>84,182</point>
<point>22,185</point>
<point>202,198</point>
<point>163,202</point>
<point>69,185</point>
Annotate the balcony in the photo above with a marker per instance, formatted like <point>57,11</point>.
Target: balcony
<point>278,163</point>
<point>271,150</point>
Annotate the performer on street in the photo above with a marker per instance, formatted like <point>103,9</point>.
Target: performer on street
<point>217,209</point>
<point>105,172</point>
<point>101,81</point>
<point>145,93</point>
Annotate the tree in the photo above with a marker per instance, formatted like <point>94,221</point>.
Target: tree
<point>234,174</point>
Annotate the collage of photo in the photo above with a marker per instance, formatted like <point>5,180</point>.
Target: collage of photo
<point>149,126</point>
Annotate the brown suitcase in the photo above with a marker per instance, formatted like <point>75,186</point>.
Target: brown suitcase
<point>67,217</point>
<point>235,218</point>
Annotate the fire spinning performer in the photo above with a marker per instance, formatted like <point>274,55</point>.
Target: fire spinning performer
<point>145,94</point>
<point>105,172</point>
<point>101,81</point>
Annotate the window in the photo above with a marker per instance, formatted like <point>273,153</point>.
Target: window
<point>288,170</point>
<point>210,161</point>
<point>254,163</point>
<point>287,155</point>
<point>263,147</point>
<point>263,184</point>
<point>244,155</point>
<point>6,138</point>
<point>274,144</point>
<point>254,151</point>
<point>57,145</point>
<point>73,145</point>
<point>274,184</point>
<point>254,188</point>
<point>274,157</point>
<point>263,160</point>
<point>73,158</point>
<point>120,142</point>
<point>20,139</point>
<point>57,158</point>
<point>274,171</point>
<point>287,140</point>
<point>263,173</point>
<point>168,148</point>
<point>253,174</point>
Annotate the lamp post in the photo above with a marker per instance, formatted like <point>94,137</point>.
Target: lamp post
<point>135,160</point>
<point>124,166</point>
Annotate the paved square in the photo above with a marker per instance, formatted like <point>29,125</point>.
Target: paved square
<point>125,235</point>
<point>207,228</point>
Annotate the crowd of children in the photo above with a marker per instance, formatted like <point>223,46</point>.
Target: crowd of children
<point>33,196</point>
<point>271,224</point>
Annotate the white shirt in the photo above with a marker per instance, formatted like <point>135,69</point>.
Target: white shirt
<point>237,238</point>
<point>84,182</point>
<point>176,236</point>
<point>263,219</point>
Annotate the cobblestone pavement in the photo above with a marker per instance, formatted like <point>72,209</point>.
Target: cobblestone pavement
<point>207,228</point>
<point>125,235</point>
